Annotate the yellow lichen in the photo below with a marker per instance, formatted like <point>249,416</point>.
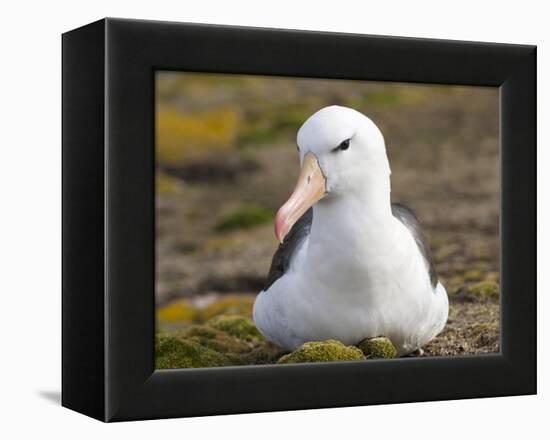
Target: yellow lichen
<point>166,185</point>
<point>228,305</point>
<point>188,136</point>
<point>178,311</point>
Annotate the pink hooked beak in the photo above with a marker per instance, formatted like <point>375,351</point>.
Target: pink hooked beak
<point>311,187</point>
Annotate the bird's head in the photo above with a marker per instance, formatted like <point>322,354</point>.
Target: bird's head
<point>341,152</point>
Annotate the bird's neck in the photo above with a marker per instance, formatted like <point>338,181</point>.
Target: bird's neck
<point>358,223</point>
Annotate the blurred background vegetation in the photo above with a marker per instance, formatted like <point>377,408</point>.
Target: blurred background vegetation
<point>226,160</point>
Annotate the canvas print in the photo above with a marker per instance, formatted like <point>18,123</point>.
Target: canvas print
<point>312,220</point>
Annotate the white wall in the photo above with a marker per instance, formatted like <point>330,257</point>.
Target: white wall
<point>30,215</point>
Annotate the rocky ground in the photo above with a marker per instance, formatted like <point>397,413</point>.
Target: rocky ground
<point>215,206</point>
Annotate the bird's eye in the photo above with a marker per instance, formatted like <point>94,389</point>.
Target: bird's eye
<point>343,146</point>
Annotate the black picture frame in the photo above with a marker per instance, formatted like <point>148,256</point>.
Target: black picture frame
<point>108,219</point>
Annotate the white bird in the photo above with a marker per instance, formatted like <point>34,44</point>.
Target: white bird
<point>354,266</point>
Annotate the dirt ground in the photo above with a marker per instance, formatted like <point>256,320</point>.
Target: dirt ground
<point>215,208</point>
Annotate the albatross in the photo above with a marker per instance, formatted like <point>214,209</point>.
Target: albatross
<point>350,265</point>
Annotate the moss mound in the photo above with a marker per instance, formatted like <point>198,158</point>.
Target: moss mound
<point>236,325</point>
<point>325,351</point>
<point>225,340</point>
<point>484,289</point>
<point>171,352</point>
<point>378,348</point>
<point>213,339</point>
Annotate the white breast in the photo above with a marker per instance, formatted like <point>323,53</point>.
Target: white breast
<point>377,284</point>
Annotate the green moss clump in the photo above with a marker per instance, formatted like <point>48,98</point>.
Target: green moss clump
<point>244,217</point>
<point>277,126</point>
<point>228,305</point>
<point>453,284</point>
<point>219,244</point>
<point>325,351</point>
<point>382,98</point>
<point>236,325</point>
<point>437,242</point>
<point>292,118</point>
<point>206,345</point>
<point>255,134</point>
<point>171,352</point>
<point>484,289</point>
<point>473,275</point>
<point>378,348</point>
<point>213,339</point>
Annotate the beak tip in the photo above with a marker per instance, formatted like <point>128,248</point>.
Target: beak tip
<point>279,238</point>
<point>279,226</point>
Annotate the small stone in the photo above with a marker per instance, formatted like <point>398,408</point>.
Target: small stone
<point>378,348</point>
<point>325,351</point>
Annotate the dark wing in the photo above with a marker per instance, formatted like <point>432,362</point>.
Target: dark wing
<point>407,217</point>
<point>285,251</point>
